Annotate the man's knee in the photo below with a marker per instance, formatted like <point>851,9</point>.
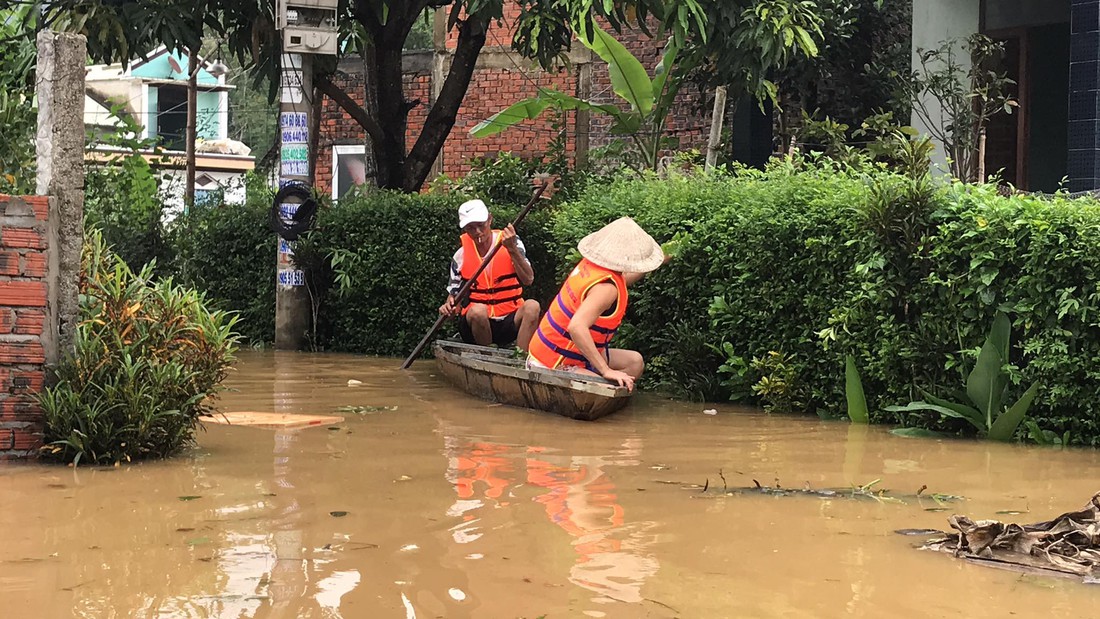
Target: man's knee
<point>530,309</point>
<point>477,312</point>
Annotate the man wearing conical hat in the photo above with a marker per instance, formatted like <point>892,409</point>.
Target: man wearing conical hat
<point>575,333</point>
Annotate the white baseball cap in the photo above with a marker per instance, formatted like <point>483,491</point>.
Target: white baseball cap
<point>472,211</point>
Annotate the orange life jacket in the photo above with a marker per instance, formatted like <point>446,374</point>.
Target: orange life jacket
<point>498,285</point>
<point>552,345</point>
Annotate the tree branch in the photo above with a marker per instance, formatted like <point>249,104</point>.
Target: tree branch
<point>441,117</point>
<point>334,92</point>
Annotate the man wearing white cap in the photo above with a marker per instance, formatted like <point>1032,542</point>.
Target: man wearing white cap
<point>575,334</point>
<point>496,312</point>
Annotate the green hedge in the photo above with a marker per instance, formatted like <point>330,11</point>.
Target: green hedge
<point>815,263</point>
<point>228,252</point>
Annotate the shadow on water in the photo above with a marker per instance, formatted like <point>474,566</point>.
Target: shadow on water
<point>446,506</point>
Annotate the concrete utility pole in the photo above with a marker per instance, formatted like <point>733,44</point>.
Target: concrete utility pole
<point>308,27</point>
<point>60,151</point>
<point>292,305</point>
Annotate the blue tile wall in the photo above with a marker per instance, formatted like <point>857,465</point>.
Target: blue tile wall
<point>1084,97</point>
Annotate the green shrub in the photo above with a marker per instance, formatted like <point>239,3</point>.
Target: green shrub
<point>808,263</point>
<point>228,252</point>
<point>123,201</point>
<point>148,355</point>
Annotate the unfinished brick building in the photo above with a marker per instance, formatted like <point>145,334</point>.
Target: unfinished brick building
<point>502,78</point>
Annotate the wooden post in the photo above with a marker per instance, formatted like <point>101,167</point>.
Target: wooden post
<point>718,118</point>
<point>981,155</point>
<point>192,131</point>
<point>583,117</point>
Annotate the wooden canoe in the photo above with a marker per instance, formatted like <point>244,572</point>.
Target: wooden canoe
<point>494,374</point>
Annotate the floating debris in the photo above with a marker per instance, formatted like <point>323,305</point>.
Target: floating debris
<point>866,491</point>
<point>338,514</point>
<point>363,410</point>
<point>354,383</point>
<point>710,411</point>
<point>190,497</point>
<point>1067,546</point>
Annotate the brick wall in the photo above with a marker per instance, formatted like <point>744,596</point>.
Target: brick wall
<point>495,87</point>
<point>23,301</point>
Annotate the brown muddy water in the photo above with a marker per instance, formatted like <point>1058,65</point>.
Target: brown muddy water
<point>452,507</point>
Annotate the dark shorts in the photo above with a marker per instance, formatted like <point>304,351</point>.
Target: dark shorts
<point>504,330</point>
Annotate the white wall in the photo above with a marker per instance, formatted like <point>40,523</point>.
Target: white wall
<point>935,21</point>
<point>173,186</point>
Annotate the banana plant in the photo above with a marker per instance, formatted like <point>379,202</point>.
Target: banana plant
<point>985,403</point>
<point>649,100</point>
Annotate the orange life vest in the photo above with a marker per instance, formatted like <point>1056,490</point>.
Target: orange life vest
<point>552,346</point>
<point>498,285</point>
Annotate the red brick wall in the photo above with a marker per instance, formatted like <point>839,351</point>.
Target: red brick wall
<point>493,89</point>
<point>23,288</point>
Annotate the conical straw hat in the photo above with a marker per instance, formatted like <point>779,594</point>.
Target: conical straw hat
<point>622,246</point>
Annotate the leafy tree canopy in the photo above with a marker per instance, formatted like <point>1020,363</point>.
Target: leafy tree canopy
<point>119,30</point>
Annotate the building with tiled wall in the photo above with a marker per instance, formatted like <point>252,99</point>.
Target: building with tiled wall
<point>1053,54</point>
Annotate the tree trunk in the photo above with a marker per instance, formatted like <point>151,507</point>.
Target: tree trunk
<point>387,125</point>
<point>370,99</point>
<point>393,114</point>
<point>441,118</point>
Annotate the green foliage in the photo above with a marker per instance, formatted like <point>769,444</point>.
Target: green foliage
<point>777,385</point>
<point>820,261</point>
<point>747,41</point>
<point>966,93</point>
<point>228,252</point>
<point>123,199</point>
<point>865,47</point>
<point>147,357</point>
<point>987,386</point>
<point>18,115</point>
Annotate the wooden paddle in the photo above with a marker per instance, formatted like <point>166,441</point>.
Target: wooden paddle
<point>465,289</point>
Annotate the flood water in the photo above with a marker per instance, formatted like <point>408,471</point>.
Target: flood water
<point>452,507</point>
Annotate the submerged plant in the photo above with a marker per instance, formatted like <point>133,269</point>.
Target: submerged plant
<point>853,391</point>
<point>147,356</point>
<point>984,402</point>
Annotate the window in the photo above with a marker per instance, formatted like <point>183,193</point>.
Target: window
<point>172,116</point>
<point>347,168</point>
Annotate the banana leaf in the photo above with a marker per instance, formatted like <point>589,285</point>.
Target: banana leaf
<point>532,107</point>
<point>629,79</point>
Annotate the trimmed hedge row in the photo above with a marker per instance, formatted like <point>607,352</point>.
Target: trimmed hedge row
<point>814,263</point>
<point>228,252</point>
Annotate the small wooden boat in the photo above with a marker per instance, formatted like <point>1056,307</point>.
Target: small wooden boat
<point>494,374</point>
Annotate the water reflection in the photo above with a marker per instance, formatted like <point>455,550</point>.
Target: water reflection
<point>577,494</point>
